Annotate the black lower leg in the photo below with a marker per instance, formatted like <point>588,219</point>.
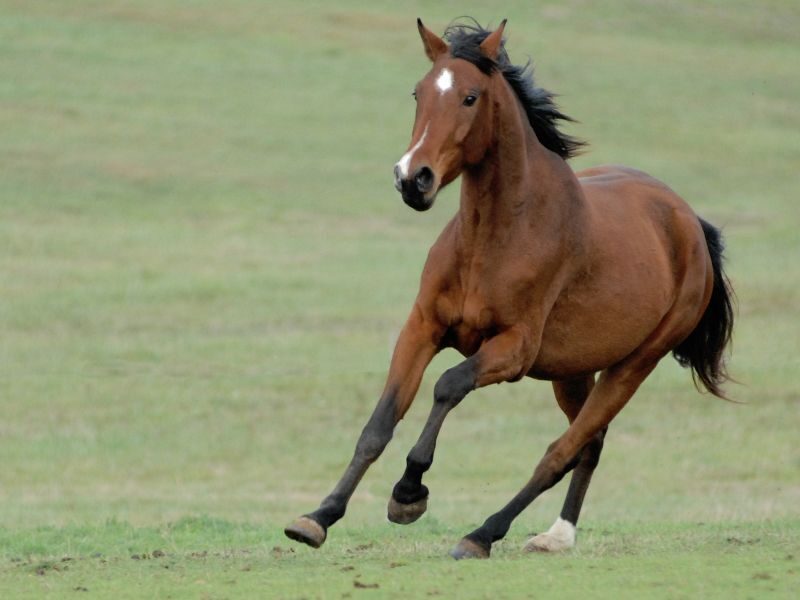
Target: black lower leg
<point>375,436</point>
<point>410,488</point>
<point>581,477</point>
<point>544,477</point>
<point>451,388</point>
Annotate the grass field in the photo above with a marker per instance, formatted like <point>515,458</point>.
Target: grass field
<point>203,267</point>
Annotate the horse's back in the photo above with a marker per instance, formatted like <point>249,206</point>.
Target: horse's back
<point>628,204</point>
<point>628,187</point>
<point>625,200</point>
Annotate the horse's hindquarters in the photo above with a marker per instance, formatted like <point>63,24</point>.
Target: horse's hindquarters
<point>645,260</point>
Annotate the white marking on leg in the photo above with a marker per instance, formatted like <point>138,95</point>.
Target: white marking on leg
<point>406,160</point>
<point>445,81</point>
<point>560,536</point>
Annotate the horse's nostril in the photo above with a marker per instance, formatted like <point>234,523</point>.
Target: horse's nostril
<point>423,178</point>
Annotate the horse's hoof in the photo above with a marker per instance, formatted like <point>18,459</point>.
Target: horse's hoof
<point>544,542</point>
<point>466,548</point>
<point>560,537</point>
<point>307,531</point>
<point>403,514</point>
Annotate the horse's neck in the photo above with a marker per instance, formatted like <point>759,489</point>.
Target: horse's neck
<point>519,186</point>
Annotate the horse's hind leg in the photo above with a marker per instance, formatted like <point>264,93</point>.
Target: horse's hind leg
<point>613,390</point>
<point>571,396</point>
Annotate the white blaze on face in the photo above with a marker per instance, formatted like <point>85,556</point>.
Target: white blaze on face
<point>445,81</point>
<point>406,160</point>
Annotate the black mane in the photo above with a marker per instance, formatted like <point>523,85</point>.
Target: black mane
<point>543,114</point>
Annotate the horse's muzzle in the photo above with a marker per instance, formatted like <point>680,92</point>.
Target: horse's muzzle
<point>416,189</point>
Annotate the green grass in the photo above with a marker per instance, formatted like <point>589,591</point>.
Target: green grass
<point>701,560</point>
<point>203,266</point>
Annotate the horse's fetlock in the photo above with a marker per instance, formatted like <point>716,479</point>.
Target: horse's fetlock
<point>416,465</point>
<point>406,492</point>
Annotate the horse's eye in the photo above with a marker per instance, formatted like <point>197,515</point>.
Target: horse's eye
<point>470,100</point>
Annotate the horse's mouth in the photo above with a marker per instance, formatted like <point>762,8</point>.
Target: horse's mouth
<point>415,198</point>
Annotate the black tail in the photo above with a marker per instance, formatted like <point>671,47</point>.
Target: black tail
<point>704,349</point>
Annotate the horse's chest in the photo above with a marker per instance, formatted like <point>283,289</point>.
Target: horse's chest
<point>477,314</point>
<point>475,304</point>
<point>471,320</point>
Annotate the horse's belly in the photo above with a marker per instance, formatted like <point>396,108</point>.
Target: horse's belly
<point>589,330</point>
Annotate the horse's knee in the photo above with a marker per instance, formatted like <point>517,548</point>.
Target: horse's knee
<point>454,384</point>
<point>372,442</point>
<point>378,431</point>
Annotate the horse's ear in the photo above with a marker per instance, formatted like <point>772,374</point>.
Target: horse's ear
<point>434,45</point>
<point>491,45</point>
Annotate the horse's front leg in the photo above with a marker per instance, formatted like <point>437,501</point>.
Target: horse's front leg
<point>416,346</point>
<point>505,357</point>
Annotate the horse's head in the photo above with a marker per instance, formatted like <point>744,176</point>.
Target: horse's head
<point>452,128</point>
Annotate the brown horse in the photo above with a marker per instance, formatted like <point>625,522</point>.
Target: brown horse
<point>542,272</point>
